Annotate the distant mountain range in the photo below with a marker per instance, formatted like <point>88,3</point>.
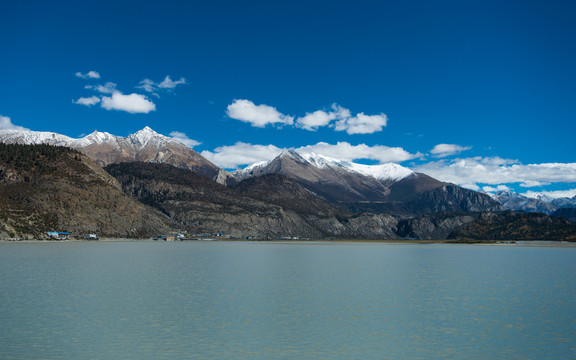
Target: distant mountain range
<point>541,204</point>
<point>294,194</point>
<point>388,188</point>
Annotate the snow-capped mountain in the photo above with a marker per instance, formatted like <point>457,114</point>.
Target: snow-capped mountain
<point>518,202</point>
<point>138,140</point>
<point>383,172</point>
<point>377,188</point>
<point>145,145</point>
<point>538,203</point>
<point>564,202</point>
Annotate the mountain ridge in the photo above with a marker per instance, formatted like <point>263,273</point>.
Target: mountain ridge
<point>386,188</point>
<point>144,145</point>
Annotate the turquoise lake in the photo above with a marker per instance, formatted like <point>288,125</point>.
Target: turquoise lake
<point>263,300</point>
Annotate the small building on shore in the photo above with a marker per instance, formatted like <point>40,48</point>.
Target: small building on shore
<point>56,235</point>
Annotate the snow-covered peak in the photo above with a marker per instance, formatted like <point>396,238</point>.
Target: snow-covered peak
<point>33,137</point>
<point>137,140</point>
<point>147,135</point>
<point>321,161</point>
<point>95,138</point>
<point>382,172</point>
<point>388,171</point>
<point>289,153</point>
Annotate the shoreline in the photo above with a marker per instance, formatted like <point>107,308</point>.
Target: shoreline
<point>522,243</point>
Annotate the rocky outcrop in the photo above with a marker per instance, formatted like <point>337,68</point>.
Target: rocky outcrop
<point>436,226</point>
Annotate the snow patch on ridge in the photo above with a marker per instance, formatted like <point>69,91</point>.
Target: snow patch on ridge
<point>384,172</point>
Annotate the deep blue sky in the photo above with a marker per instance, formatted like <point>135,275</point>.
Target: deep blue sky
<point>497,77</point>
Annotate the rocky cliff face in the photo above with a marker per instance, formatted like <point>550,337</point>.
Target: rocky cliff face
<point>45,188</point>
<point>435,226</point>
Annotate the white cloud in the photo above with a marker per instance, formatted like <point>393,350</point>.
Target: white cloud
<point>534,183</point>
<point>183,138</point>
<point>239,154</point>
<point>88,75</point>
<point>87,101</point>
<point>338,118</point>
<point>443,150</point>
<point>348,152</point>
<point>362,124</point>
<point>471,187</point>
<point>231,157</point>
<point>257,115</point>
<point>497,171</point>
<point>491,189</point>
<point>312,121</point>
<point>6,124</point>
<point>344,121</point>
<point>133,103</point>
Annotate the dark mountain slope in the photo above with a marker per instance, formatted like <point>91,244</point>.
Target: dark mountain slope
<point>201,205</point>
<point>267,207</point>
<point>511,225</point>
<point>566,213</point>
<point>46,188</point>
<point>287,193</point>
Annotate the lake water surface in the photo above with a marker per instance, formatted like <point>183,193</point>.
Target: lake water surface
<point>252,300</point>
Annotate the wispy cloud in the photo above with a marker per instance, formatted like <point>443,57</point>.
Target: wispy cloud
<point>183,138</point>
<point>88,75</point>
<point>443,150</point>
<point>166,84</point>
<point>107,88</point>
<point>257,115</point>
<point>87,101</point>
<point>6,124</point>
<point>132,103</point>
